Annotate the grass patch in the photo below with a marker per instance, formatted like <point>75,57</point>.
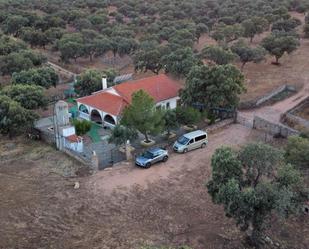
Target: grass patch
<point>94,133</point>
<point>71,101</point>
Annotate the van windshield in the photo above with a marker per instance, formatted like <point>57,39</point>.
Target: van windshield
<point>183,140</point>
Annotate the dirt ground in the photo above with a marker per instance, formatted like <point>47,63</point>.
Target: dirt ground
<point>304,111</point>
<point>123,207</point>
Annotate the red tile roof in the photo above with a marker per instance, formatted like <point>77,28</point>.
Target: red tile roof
<point>74,138</point>
<point>105,101</point>
<point>160,87</point>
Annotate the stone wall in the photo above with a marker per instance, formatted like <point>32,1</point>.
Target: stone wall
<point>48,137</point>
<point>291,119</point>
<point>76,156</point>
<point>257,102</point>
<point>220,125</point>
<point>273,128</point>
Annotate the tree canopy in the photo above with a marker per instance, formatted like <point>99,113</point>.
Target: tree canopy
<point>142,115</point>
<point>28,96</point>
<point>253,183</point>
<point>278,44</point>
<point>218,54</point>
<point>296,152</point>
<point>89,29</point>
<point>247,53</point>
<point>253,26</point>
<point>14,119</point>
<point>214,86</point>
<point>88,82</point>
<point>44,76</point>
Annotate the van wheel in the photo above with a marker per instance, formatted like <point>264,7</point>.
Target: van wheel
<point>203,145</point>
<point>185,150</point>
<point>165,159</point>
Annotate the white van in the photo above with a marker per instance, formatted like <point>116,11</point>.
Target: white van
<point>191,141</point>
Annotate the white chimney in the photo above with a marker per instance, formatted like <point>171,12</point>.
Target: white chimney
<point>104,83</point>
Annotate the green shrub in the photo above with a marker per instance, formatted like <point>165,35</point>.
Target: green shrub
<point>188,115</point>
<point>297,152</point>
<point>304,134</point>
<point>81,126</point>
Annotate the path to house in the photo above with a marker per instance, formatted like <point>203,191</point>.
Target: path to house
<point>61,70</point>
<point>274,112</point>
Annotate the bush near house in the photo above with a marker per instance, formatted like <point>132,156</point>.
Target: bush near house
<point>81,126</point>
<point>188,115</point>
<point>170,121</point>
<point>121,134</point>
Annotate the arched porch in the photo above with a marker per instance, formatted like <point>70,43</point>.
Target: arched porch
<point>108,119</point>
<point>96,117</point>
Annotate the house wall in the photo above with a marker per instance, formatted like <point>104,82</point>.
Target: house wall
<point>67,131</point>
<point>75,146</point>
<point>172,102</point>
<point>172,105</point>
<point>90,109</point>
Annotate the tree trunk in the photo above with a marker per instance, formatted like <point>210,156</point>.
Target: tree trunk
<point>251,39</point>
<point>146,138</point>
<point>242,66</point>
<point>254,236</point>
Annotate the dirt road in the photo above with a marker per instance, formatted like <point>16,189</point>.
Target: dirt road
<point>120,208</point>
<point>273,113</point>
<point>126,175</point>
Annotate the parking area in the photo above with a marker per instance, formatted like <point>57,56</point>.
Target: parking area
<point>126,174</point>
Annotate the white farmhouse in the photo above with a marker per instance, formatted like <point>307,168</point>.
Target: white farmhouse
<point>105,106</point>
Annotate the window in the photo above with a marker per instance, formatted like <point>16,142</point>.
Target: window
<point>168,105</point>
<point>199,138</point>
<point>191,141</point>
<point>183,140</point>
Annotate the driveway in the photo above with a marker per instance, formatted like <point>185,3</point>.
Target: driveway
<point>125,175</point>
<point>273,113</point>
